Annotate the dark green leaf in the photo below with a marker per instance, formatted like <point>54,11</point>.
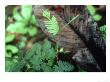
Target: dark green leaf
<point>8,66</point>
<point>63,66</point>
<point>46,45</point>
<point>9,54</point>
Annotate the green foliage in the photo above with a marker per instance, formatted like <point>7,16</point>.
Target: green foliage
<point>92,11</point>
<point>32,31</point>
<point>12,48</point>
<point>41,57</point>
<point>51,23</point>
<point>16,15</point>
<point>22,26</point>
<point>23,19</point>
<point>9,38</point>
<point>97,17</point>
<point>26,11</point>
<point>9,65</point>
<point>46,14</point>
<point>22,42</point>
<point>63,66</point>
<point>102,30</point>
<point>33,20</point>
<point>17,27</point>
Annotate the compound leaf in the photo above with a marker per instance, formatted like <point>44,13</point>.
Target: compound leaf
<point>63,66</point>
<point>51,24</point>
<point>46,14</point>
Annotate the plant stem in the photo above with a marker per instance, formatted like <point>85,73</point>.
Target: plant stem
<point>72,20</point>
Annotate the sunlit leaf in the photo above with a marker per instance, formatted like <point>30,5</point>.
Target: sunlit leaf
<point>33,20</point>
<point>9,38</point>
<point>26,11</point>
<point>97,17</point>
<point>91,9</point>
<point>12,48</point>
<point>32,31</point>
<point>16,15</point>
<point>17,27</point>
<point>52,25</point>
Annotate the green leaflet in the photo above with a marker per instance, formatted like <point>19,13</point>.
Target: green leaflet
<point>102,30</point>
<point>12,48</point>
<point>26,11</point>
<point>92,11</point>
<point>9,38</point>
<point>63,66</point>
<point>51,24</point>
<point>16,15</point>
<point>41,58</point>
<point>17,27</point>
<point>97,17</point>
<point>46,14</point>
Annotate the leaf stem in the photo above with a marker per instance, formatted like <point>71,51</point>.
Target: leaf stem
<point>71,20</point>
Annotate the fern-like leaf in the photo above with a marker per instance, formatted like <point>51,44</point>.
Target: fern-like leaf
<point>51,24</point>
<point>102,30</point>
<point>42,56</point>
<point>63,66</point>
<point>46,14</point>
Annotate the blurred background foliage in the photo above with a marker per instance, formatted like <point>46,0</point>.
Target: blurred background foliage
<point>21,29</point>
<point>22,32</point>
